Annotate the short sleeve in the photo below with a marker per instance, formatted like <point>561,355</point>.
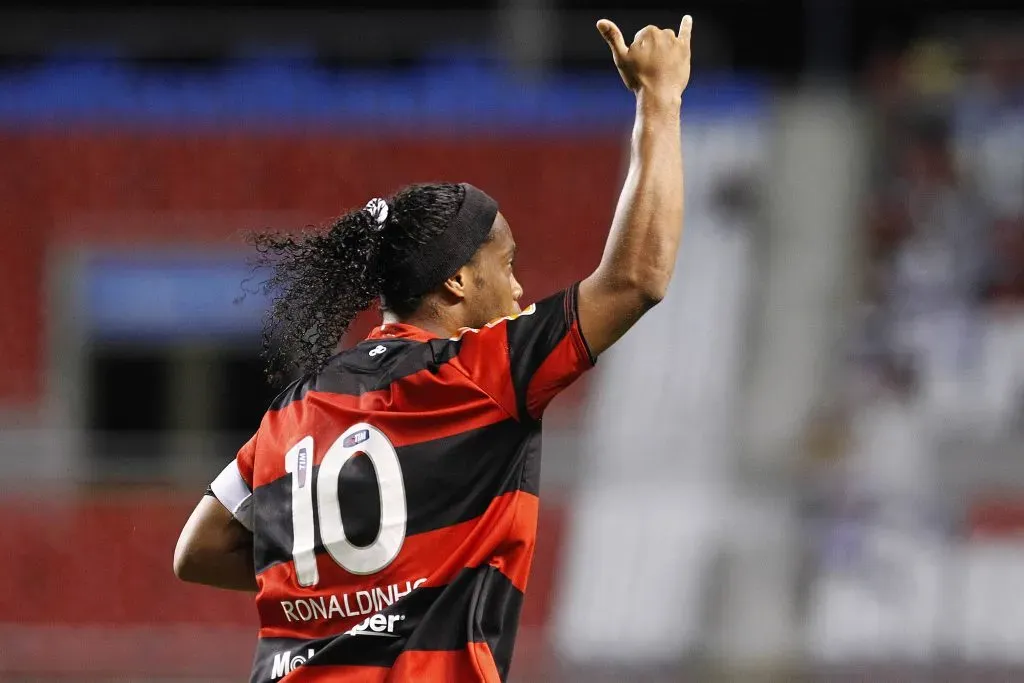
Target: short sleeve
<point>524,361</point>
<point>233,486</point>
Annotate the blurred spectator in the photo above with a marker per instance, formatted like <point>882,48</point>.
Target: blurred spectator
<point>989,122</point>
<point>945,228</point>
<point>1005,282</point>
<point>929,246</point>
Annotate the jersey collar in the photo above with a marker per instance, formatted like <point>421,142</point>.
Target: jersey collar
<point>400,331</point>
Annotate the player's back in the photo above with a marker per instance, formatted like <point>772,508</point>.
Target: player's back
<point>394,501</point>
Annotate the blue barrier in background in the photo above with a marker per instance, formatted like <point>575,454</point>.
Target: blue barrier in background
<point>277,93</point>
<point>167,298</point>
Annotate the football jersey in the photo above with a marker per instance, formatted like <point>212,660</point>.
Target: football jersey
<point>393,501</point>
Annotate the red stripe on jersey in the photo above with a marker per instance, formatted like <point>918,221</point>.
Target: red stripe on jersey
<point>484,356</point>
<point>515,555</point>
<point>472,665</point>
<point>325,416</point>
<point>502,537</point>
<point>566,362</point>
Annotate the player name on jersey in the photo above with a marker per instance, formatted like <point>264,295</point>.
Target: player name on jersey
<point>354,604</point>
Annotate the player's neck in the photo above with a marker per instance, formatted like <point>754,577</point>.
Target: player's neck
<point>433,325</point>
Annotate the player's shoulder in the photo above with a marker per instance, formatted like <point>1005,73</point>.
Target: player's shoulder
<point>345,372</point>
<point>294,391</point>
<point>377,363</point>
<point>377,356</point>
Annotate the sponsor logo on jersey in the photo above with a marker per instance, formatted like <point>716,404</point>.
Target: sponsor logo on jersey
<point>285,662</point>
<point>377,350</point>
<point>302,466</point>
<point>356,438</point>
<point>380,625</point>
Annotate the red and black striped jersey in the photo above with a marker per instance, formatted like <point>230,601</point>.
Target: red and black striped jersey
<point>393,501</point>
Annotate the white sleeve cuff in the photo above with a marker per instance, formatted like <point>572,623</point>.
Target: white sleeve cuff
<point>231,490</point>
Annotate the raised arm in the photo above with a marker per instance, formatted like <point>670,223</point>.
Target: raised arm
<point>640,254</point>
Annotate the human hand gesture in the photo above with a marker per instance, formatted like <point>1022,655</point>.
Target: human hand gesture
<point>658,61</point>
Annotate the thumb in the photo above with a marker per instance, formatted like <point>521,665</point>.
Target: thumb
<point>613,36</point>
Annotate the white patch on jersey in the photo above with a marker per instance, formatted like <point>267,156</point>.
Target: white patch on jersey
<point>529,310</point>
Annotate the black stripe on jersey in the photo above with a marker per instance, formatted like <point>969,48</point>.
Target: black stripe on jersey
<point>497,607</point>
<point>479,605</point>
<point>447,481</point>
<point>531,449</point>
<point>531,339</point>
<point>572,314</point>
<point>355,372</point>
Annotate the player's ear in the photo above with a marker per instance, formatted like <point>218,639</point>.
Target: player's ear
<point>456,285</point>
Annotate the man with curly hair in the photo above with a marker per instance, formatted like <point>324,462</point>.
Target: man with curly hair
<point>385,511</point>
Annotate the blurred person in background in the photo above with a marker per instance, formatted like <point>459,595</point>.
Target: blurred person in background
<point>425,543</point>
<point>988,120</point>
<point>935,269</point>
<point>989,129</point>
<point>959,176</point>
<point>1002,374</point>
<point>943,232</point>
<point>874,544</point>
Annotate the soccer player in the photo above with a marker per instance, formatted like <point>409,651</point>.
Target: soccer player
<point>385,511</point>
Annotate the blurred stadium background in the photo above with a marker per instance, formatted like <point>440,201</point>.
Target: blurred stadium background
<point>807,464</point>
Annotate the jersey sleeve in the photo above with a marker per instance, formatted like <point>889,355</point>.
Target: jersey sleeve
<point>524,361</point>
<point>233,486</point>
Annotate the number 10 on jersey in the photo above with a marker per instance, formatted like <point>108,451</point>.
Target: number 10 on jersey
<point>359,438</point>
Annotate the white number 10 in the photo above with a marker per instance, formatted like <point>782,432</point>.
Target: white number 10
<point>359,438</point>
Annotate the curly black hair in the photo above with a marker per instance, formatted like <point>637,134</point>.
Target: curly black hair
<point>323,278</point>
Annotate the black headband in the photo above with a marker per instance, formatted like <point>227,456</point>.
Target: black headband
<point>441,257</point>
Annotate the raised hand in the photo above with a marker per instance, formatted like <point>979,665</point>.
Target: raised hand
<point>658,61</point>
